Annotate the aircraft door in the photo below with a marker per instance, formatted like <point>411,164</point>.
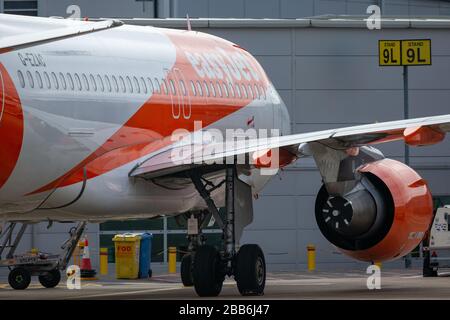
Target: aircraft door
<point>180,98</point>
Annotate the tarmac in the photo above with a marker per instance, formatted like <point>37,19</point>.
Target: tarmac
<point>395,284</point>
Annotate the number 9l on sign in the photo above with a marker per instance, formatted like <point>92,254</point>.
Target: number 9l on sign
<point>404,52</point>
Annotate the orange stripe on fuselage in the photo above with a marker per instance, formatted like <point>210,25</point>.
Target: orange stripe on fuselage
<point>150,128</point>
<point>11,126</point>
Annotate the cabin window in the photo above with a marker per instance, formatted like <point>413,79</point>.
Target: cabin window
<point>250,92</point>
<point>244,91</point>
<point>63,81</point>
<point>194,91</point>
<point>213,89</point>
<point>172,87</point>
<point>164,86</point>
<point>264,92</point>
<point>183,88</point>
<point>137,89</point>
<point>47,80</point>
<point>225,89</point>
<point>205,84</point>
<point>238,91</point>
<point>129,84</point>
<point>70,80</point>
<point>30,79</point>
<point>78,81</point>
<point>199,88</point>
<point>122,84</point>
<point>150,85</point>
<point>93,83</point>
<point>100,83</point>
<point>39,79</point>
<point>108,83</point>
<point>144,85</point>
<point>55,81</point>
<point>231,89</point>
<point>157,86</point>
<point>115,83</point>
<point>257,96</point>
<point>21,78</point>
<point>219,89</point>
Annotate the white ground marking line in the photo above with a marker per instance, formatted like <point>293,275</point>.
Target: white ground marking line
<point>123,293</point>
<point>411,277</point>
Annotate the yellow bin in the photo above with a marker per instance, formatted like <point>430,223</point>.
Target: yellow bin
<point>127,255</point>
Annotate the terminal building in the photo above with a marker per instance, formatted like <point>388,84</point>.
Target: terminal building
<point>323,60</point>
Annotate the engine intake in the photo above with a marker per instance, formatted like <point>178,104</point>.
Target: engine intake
<point>384,217</point>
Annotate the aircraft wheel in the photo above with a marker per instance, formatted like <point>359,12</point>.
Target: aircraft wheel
<point>19,278</point>
<point>50,279</point>
<point>250,272</point>
<point>207,276</point>
<point>186,270</point>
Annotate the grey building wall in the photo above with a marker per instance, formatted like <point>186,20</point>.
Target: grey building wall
<point>304,8</point>
<point>329,77</point>
<point>285,9</point>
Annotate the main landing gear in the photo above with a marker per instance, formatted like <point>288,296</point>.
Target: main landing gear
<point>205,267</point>
<point>46,267</point>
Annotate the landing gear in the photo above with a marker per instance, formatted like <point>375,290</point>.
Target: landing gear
<point>209,265</point>
<point>47,267</point>
<point>186,270</point>
<point>250,272</point>
<point>208,276</point>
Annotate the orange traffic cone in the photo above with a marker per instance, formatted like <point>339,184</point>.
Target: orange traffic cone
<point>87,273</point>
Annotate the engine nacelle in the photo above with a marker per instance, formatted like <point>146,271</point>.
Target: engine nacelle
<point>384,218</point>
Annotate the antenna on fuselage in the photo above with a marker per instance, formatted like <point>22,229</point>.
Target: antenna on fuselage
<point>188,22</point>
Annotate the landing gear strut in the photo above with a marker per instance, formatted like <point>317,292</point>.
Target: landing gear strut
<point>209,265</point>
<point>46,267</point>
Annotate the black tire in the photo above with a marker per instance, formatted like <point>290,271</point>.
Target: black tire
<point>19,278</point>
<point>427,271</point>
<point>207,275</point>
<point>186,270</point>
<point>250,270</point>
<point>50,279</point>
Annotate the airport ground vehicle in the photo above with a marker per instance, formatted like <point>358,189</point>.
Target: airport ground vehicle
<point>437,253</point>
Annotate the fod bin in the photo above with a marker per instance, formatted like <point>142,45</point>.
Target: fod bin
<point>127,247</point>
<point>145,255</point>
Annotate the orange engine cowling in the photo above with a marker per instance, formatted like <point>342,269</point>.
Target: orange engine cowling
<point>384,218</point>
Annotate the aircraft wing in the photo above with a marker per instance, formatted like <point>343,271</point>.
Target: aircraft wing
<point>192,152</point>
<point>17,33</point>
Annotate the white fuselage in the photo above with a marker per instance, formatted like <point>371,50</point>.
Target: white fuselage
<point>92,106</point>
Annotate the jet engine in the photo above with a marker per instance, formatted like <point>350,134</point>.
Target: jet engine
<point>384,217</point>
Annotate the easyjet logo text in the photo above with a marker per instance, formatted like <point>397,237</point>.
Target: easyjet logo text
<point>222,65</point>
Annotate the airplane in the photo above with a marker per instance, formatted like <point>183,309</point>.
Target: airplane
<point>105,121</point>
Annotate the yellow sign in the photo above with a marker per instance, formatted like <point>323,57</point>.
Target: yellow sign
<point>416,52</point>
<point>390,52</point>
<point>404,52</point>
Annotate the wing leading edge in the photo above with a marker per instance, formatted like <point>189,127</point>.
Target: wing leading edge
<point>191,152</point>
